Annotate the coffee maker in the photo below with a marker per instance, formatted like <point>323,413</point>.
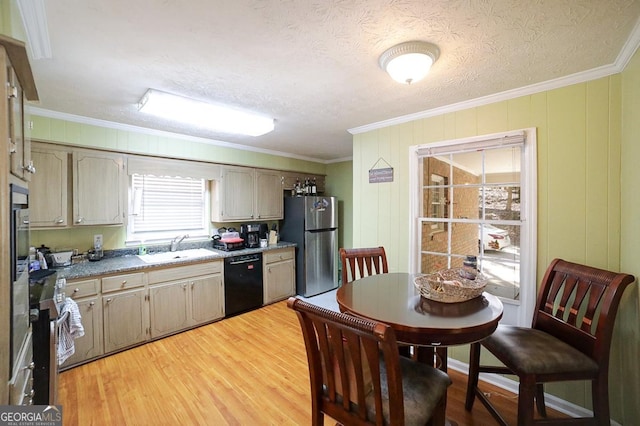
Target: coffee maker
<point>250,233</point>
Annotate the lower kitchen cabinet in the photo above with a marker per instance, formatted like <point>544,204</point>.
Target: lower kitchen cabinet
<point>168,308</point>
<point>85,294</point>
<point>279,275</point>
<point>90,345</point>
<point>185,296</point>
<point>207,298</point>
<point>126,319</point>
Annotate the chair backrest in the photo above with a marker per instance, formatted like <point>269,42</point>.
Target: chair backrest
<point>344,365</point>
<point>362,262</point>
<point>578,305</point>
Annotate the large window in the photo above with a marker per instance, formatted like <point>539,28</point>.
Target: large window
<point>476,197</point>
<point>162,207</point>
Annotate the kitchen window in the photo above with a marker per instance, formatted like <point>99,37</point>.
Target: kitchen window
<point>163,207</point>
<point>477,197</point>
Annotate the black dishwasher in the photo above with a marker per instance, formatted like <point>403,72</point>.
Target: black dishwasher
<point>242,283</point>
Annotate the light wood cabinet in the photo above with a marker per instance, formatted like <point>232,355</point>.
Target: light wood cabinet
<point>185,296</point>
<point>279,275</point>
<point>168,308</point>
<point>48,188</point>
<point>126,319</point>
<point>21,384</point>
<point>206,299</point>
<point>14,62</point>
<point>268,195</point>
<point>85,294</point>
<point>232,195</point>
<point>19,145</point>
<point>99,182</point>
<point>246,194</point>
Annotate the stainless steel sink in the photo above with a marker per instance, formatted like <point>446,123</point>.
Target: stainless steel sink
<point>169,256</point>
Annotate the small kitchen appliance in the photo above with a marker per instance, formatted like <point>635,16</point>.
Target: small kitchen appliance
<point>250,233</point>
<point>228,241</point>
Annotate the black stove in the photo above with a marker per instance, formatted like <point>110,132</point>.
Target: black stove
<point>46,299</point>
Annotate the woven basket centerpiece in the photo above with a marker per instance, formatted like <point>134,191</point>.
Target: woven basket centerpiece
<point>451,285</point>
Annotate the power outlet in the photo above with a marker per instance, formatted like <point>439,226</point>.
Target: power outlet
<point>97,241</point>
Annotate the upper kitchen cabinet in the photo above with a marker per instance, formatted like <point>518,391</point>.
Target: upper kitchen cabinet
<point>19,86</point>
<point>48,188</point>
<point>246,194</point>
<point>99,181</point>
<point>268,195</point>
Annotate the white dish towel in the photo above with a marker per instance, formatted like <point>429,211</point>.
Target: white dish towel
<point>69,328</point>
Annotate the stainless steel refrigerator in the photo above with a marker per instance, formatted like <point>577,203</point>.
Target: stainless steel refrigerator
<point>312,223</point>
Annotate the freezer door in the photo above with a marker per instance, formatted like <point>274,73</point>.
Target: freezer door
<point>321,272</point>
<point>320,213</point>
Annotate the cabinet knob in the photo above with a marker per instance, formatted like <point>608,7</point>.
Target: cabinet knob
<point>29,167</point>
<point>59,220</point>
<point>80,220</point>
<point>75,290</point>
<point>109,300</point>
<point>92,303</point>
<point>124,283</point>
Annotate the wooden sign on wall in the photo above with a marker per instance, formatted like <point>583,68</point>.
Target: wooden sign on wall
<point>382,174</point>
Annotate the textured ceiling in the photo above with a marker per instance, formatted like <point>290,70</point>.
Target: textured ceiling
<point>312,65</point>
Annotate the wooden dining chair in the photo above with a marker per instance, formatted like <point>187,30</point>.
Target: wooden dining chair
<point>357,376</point>
<point>569,339</point>
<point>362,262</point>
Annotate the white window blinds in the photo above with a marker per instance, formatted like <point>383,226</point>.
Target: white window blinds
<point>162,203</point>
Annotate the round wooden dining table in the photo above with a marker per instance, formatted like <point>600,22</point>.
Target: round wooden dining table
<point>393,299</point>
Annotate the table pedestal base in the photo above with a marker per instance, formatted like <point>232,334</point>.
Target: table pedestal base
<point>435,356</point>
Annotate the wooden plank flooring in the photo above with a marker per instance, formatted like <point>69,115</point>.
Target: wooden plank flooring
<point>246,370</point>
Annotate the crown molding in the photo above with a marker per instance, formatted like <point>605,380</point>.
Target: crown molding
<point>147,131</point>
<point>34,20</point>
<point>625,55</point>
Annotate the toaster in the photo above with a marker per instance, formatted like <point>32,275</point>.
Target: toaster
<point>60,259</point>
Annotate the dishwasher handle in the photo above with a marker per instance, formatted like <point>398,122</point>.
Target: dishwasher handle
<point>243,260</point>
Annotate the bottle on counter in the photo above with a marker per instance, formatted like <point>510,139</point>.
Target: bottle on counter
<point>314,187</point>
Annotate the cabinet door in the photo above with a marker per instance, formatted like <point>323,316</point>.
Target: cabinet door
<point>207,299</point>
<point>235,194</point>
<point>279,280</point>
<point>126,319</point>
<point>98,188</point>
<point>90,345</point>
<point>168,308</point>
<point>19,155</point>
<point>48,189</point>
<point>269,196</point>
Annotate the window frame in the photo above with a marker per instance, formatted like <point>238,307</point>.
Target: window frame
<point>155,237</point>
<point>516,312</point>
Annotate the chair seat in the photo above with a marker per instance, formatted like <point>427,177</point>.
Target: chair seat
<point>422,388</point>
<point>530,351</point>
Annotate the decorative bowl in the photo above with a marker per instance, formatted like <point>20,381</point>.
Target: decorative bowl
<point>451,285</point>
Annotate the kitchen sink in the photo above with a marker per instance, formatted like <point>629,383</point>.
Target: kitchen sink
<point>169,256</point>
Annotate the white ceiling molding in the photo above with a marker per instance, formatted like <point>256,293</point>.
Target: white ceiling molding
<point>580,77</point>
<point>131,128</point>
<point>34,19</point>
<point>630,47</point>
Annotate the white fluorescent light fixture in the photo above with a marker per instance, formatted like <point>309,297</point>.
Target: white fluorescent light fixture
<point>203,114</point>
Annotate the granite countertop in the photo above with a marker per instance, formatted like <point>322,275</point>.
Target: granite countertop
<point>126,261</point>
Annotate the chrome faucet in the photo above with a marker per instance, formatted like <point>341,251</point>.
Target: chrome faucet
<point>177,240</point>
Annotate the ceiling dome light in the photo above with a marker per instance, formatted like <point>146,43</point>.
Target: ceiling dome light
<point>410,61</point>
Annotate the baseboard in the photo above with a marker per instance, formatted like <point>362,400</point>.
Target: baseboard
<point>502,382</point>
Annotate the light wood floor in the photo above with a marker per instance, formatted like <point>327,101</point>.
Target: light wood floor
<point>246,370</point>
